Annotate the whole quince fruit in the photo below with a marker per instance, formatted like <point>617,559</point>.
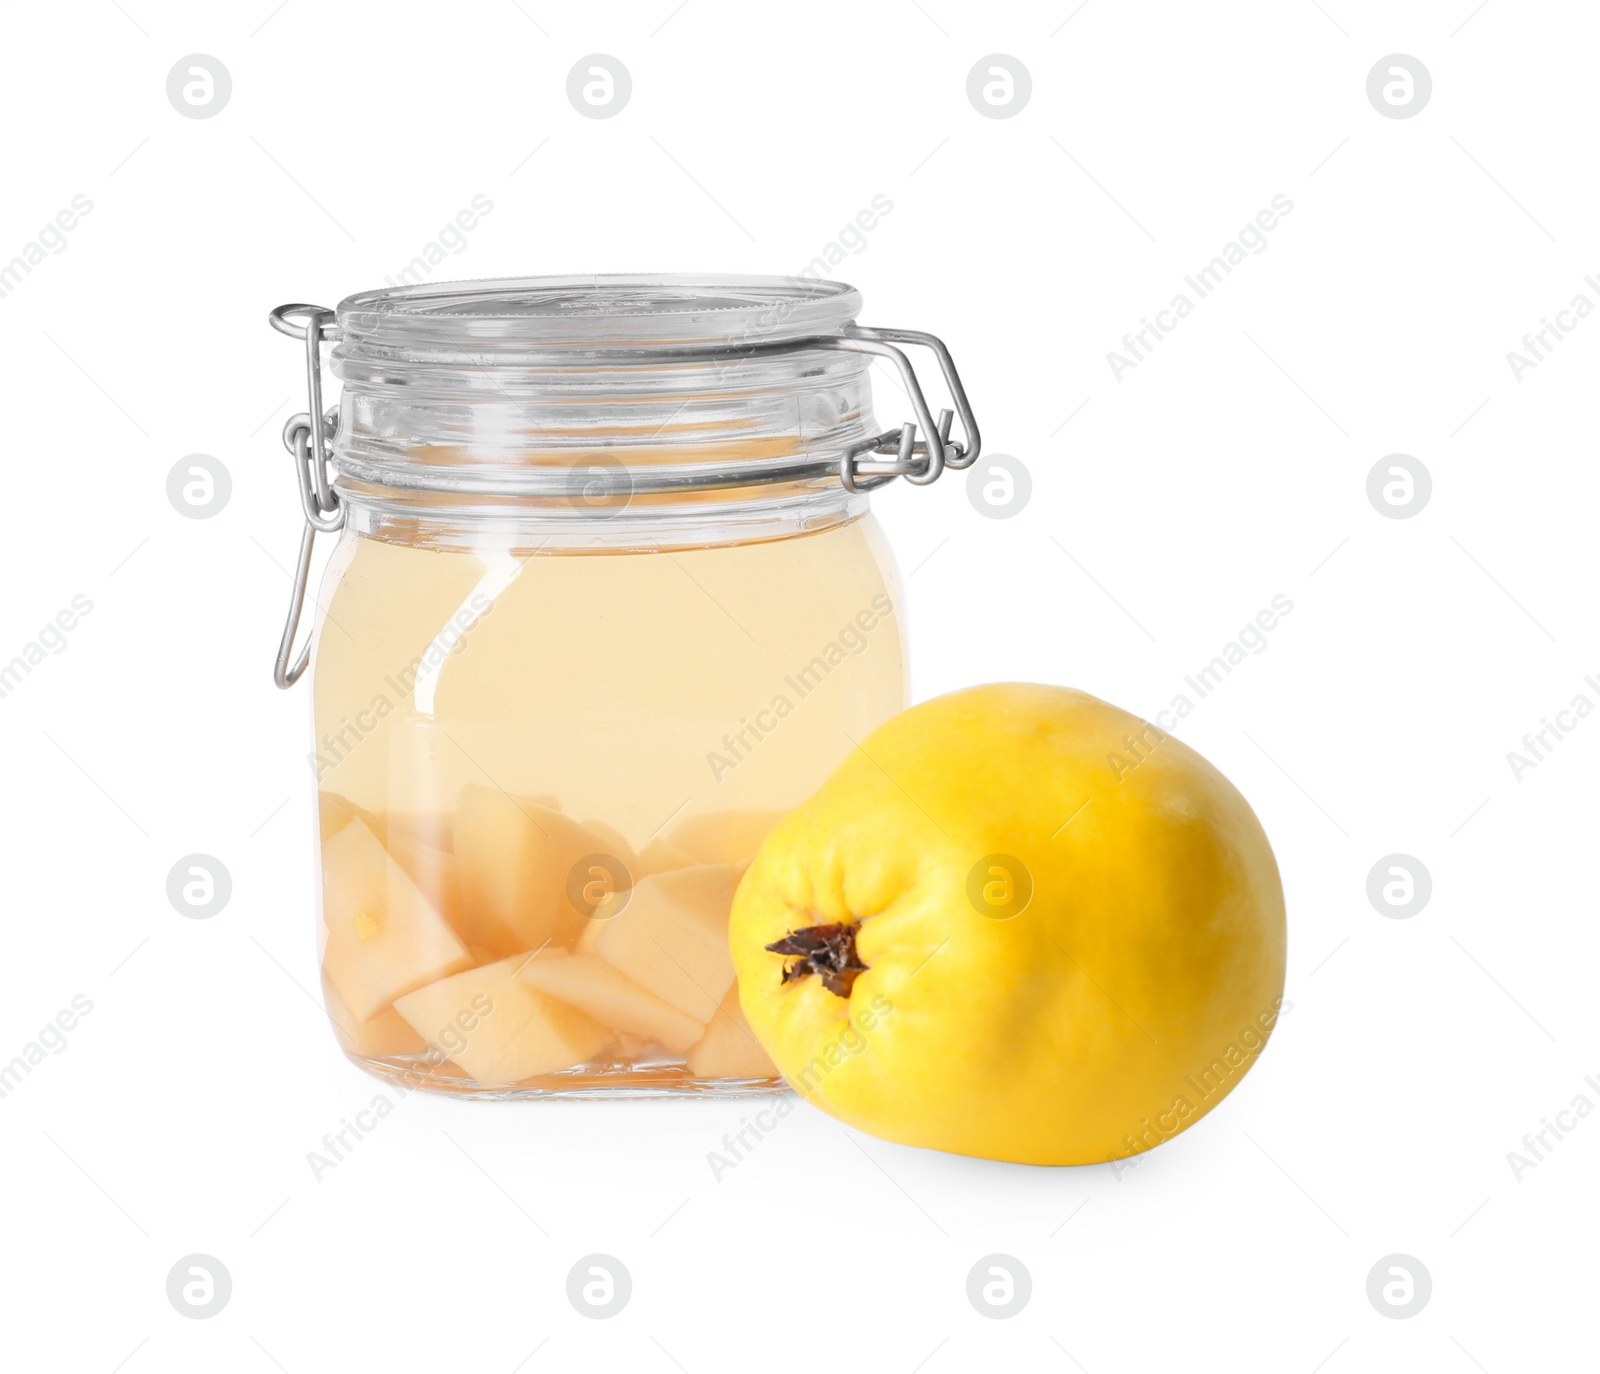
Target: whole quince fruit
<point>1017,922</point>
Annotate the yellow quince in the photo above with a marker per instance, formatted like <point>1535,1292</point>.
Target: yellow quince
<point>1017,922</point>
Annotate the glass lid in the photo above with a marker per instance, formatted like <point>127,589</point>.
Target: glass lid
<point>610,313</point>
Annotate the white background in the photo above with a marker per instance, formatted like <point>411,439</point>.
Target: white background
<point>1168,508</point>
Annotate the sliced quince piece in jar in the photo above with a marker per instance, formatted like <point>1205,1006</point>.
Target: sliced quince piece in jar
<point>632,1049</point>
<point>435,872</point>
<point>712,837</point>
<point>387,1033</point>
<point>589,983</point>
<point>672,936</point>
<point>499,1029</point>
<point>429,828</point>
<point>384,937</point>
<point>659,856</point>
<point>334,812</point>
<point>515,858</point>
<point>614,843</point>
<point>729,1048</point>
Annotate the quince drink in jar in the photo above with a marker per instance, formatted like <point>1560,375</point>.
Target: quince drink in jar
<point>606,603</point>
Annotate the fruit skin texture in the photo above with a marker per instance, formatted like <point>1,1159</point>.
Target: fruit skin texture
<point>1119,1006</point>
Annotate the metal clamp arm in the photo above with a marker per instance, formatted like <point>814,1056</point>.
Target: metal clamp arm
<point>937,449</point>
<point>960,454</point>
<point>306,439</point>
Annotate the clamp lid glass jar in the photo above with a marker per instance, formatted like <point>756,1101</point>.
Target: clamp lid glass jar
<point>607,601</point>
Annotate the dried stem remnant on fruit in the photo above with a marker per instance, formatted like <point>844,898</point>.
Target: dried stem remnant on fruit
<point>827,951</point>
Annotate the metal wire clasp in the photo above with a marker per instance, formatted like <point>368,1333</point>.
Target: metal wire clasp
<point>937,451</point>
<point>307,443</point>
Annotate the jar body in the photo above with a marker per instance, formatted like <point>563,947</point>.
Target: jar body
<point>541,774</point>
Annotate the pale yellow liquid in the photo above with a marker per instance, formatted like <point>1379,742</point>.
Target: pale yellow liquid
<point>633,689</point>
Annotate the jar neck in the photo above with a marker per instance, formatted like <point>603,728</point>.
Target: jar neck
<point>643,525</point>
<point>517,432</point>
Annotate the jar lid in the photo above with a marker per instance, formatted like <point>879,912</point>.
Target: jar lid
<point>609,313</point>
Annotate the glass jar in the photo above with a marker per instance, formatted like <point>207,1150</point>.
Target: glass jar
<point>606,602</point>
